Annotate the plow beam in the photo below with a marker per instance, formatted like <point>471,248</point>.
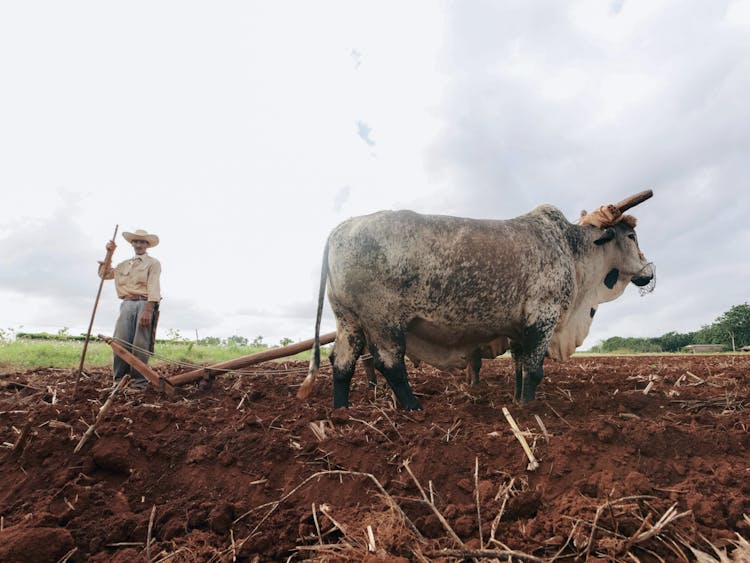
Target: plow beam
<point>245,361</point>
<point>159,382</point>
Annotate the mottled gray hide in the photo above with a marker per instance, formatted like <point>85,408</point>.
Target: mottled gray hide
<point>440,288</point>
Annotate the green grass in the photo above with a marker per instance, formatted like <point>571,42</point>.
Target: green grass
<point>23,354</point>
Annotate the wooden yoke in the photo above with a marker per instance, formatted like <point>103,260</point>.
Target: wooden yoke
<point>159,382</point>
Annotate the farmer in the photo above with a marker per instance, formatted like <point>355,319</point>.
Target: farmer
<point>137,284</point>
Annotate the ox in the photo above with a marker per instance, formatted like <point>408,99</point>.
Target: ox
<point>440,289</point>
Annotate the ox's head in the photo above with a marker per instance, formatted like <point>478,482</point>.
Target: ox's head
<point>620,244</point>
<point>615,235</point>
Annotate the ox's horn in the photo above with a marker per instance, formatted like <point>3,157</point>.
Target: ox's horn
<point>634,200</point>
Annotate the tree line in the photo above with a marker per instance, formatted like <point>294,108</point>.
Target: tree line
<point>731,330</point>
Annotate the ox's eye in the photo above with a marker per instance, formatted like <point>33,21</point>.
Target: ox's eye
<point>631,236</point>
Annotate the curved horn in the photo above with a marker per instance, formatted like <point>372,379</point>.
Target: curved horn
<point>634,200</point>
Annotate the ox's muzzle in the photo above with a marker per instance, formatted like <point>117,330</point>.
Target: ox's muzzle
<point>645,276</point>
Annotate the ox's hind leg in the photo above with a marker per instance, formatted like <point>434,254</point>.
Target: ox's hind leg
<point>348,347</point>
<point>388,358</point>
<point>474,366</point>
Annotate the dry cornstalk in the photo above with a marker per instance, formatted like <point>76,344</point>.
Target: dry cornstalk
<point>317,525</point>
<point>695,377</point>
<point>667,518</point>
<point>23,437</point>
<point>371,540</point>
<point>543,428</point>
<point>496,521</point>
<point>607,505</point>
<point>326,510</point>
<point>369,425</point>
<point>391,422</point>
<point>533,463</point>
<point>68,555</point>
<point>274,505</point>
<point>508,555</point>
<point>648,387</point>
<point>434,509</point>
<point>476,490</point>
<point>122,384</point>
<point>567,542</point>
<point>558,415</point>
<point>148,533</point>
<point>319,430</point>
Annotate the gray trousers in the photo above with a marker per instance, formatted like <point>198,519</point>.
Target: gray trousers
<point>128,333</point>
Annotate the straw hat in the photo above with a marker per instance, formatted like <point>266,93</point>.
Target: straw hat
<point>140,234</point>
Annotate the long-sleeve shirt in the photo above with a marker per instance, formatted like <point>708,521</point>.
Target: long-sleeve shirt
<point>135,278</point>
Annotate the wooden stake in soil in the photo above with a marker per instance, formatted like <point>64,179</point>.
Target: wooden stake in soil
<point>533,463</point>
<point>102,412</point>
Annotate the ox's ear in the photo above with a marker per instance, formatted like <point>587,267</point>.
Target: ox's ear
<point>607,235</point>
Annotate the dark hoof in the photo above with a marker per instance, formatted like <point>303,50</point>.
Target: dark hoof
<point>414,405</point>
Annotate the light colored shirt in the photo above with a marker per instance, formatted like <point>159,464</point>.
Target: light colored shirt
<point>136,277</point>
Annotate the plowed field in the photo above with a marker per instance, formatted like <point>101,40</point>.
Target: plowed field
<point>638,457</point>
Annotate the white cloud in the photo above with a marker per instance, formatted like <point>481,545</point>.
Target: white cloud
<point>232,131</point>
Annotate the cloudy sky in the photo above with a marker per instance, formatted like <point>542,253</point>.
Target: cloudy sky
<point>243,132</point>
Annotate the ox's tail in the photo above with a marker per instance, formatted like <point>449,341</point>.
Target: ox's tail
<point>307,384</point>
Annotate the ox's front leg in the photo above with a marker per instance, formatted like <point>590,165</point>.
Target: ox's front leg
<point>531,360</point>
<point>389,360</point>
<point>348,347</point>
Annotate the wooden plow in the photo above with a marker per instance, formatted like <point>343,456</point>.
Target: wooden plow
<point>168,384</point>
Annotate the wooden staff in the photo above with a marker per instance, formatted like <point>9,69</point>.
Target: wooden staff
<point>107,264</point>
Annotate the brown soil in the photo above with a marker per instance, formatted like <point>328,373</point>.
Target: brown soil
<point>233,468</point>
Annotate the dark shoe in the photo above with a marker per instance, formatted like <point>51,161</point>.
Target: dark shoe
<point>139,384</point>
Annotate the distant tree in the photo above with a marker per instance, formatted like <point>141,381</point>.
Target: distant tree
<point>63,332</point>
<point>174,334</point>
<point>621,344</point>
<point>675,341</point>
<point>285,341</point>
<point>258,342</point>
<point>210,341</point>
<point>735,323</point>
<point>236,341</point>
